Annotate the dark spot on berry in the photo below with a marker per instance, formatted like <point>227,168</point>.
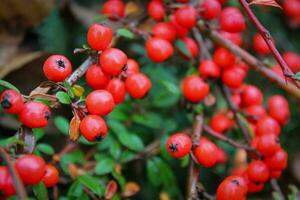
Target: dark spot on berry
<point>125,68</point>
<point>98,138</point>
<point>5,103</point>
<point>236,182</point>
<point>173,147</point>
<point>277,140</point>
<point>61,63</point>
<point>47,115</point>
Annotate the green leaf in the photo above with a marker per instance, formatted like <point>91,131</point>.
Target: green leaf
<point>297,76</point>
<point>126,156</point>
<point>75,189</point>
<point>153,173</point>
<point>125,33</point>
<point>179,44</point>
<point>91,183</point>
<point>120,179</point>
<point>45,148</point>
<point>8,85</point>
<point>40,191</point>
<point>105,166</point>
<point>184,161</point>
<point>131,141</point>
<point>63,97</point>
<point>115,150</point>
<point>38,133</point>
<point>70,89</point>
<point>62,124</point>
<point>150,119</point>
<point>99,18</point>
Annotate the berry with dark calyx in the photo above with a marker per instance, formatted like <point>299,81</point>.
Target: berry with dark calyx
<point>194,89</point>
<point>278,108</point>
<point>205,152</point>
<point>268,144</point>
<point>186,16</point>
<point>209,69</point>
<point>220,123</point>
<point>93,128</point>
<point>257,171</point>
<point>96,78</point>
<point>181,32</point>
<point>232,187</point>
<point>117,89</point>
<point>137,85</point>
<point>11,101</point>
<point>34,114</point>
<point>278,161</point>
<point>251,95</point>
<point>51,176</point>
<point>114,9</point>
<point>259,45</point>
<point>233,77</point>
<point>211,9</point>
<point>112,61</point>
<point>156,10</point>
<point>100,102</point>
<point>267,125</point>
<point>292,59</point>
<point>232,20</point>
<point>99,36</point>
<point>233,37</point>
<point>223,58</point>
<point>191,46</point>
<point>164,30</point>
<point>31,168</point>
<point>132,67</point>
<point>179,145</point>
<point>159,49</point>
<point>57,68</point>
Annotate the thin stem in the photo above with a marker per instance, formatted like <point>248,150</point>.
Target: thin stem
<point>204,53</point>
<point>80,71</point>
<point>276,188</point>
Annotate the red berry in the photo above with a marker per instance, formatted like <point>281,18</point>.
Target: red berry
<point>257,171</point>
<point>220,123</point>
<point>181,31</point>
<point>8,188</point>
<point>221,156</point>
<point>251,95</point>
<point>275,173</point>
<point>114,9</point>
<point>99,36</point>
<point>233,77</point>
<point>211,9</point>
<point>278,161</point>
<point>191,46</point>
<point>159,49</point>
<point>182,1</point>
<point>268,144</point>
<point>186,16</point>
<point>208,69</point>
<point>31,168</point>
<point>95,77</point>
<point>267,125</point>
<point>34,114</point>
<point>117,89</point>
<point>223,58</point>
<point>3,174</point>
<point>11,101</point>
<point>194,89</point>
<point>179,145</point>
<point>100,102</point>
<point>232,20</point>
<point>279,109</point>
<point>93,128</point>
<point>232,188</point>
<point>254,187</point>
<point>259,45</point>
<point>291,8</point>
<point>156,10</point>
<point>164,30</point>
<point>137,85</point>
<point>57,68</point>
<point>132,67</point>
<point>205,153</point>
<point>233,37</point>
<point>112,61</point>
<point>51,176</point>
<point>255,113</point>
<point>292,60</point>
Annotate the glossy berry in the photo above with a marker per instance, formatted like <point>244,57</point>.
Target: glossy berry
<point>159,49</point>
<point>186,16</point>
<point>164,30</point>
<point>117,89</point>
<point>232,187</point>
<point>194,89</point>
<point>114,9</point>
<point>96,78</point>
<point>181,32</point>
<point>278,108</point>
<point>232,20</point>
<point>257,171</point>
<point>191,46</point>
<point>223,58</point>
<point>292,59</point>
<point>112,61</point>
<point>267,125</point>
<point>259,45</point>
<point>156,10</point>
<point>255,113</point>
<point>268,144</point>
<point>220,123</point>
<point>179,145</point>
<point>99,36</point>
<point>233,77</point>
<point>251,95</point>
<point>291,8</point>
<point>11,101</point>
<point>254,187</point>
<point>278,161</point>
<point>34,114</point>
<point>233,37</point>
<point>57,68</point>
<point>137,85</point>
<point>211,9</point>
<point>31,168</point>
<point>100,102</point>
<point>51,176</point>
<point>205,152</point>
<point>132,67</point>
<point>208,69</point>
<point>93,128</point>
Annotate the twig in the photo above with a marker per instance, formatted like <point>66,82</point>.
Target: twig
<point>16,179</point>
<point>276,188</point>
<point>204,53</point>
<point>80,71</point>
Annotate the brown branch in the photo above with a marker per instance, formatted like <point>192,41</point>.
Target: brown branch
<point>80,71</point>
<point>204,53</point>
<point>276,188</point>
<point>16,179</point>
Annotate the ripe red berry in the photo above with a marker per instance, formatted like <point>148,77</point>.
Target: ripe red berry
<point>232,20</point>
<point>99,36</point>
<point>292,59</point>
<point>211,9</point>
<point>51,176</point>
<point>268,144</point>
<point>137,85</point>
<point>95,77</point>
<point>251,95</point>
<point>100,102</point>
<point>233,77</point>
<point>236,98</point>
<point>31,168</point>
<point>221,156</point>
<point>181,32</point>
<point>208,69</point>
<point>11,101</point>
<point>186,16</point>
<point>233,187</point>
<point>34,114</point>
<point>233,37</point>
<point>194,89</point>
<point>267,125</point>
<point>179,145</point>
<point>132,67</point>
<point>164,30</point>
<point>156,10</point>
<point>8,188</point>
<point>259,45</point>
<point>275,173</point>
<point>205,152</point>
<point>117,89</point>
<point>223,58</point>
<point>3,174</point>
<point>114,9</point>
<point>112,61</point>
<point>93,128</point>
<point>257,171</point>
<point>254,187</point>
<point>159,49</point>
<point>57,68</point>
<point>278,108</point>
<point>182,1</point>
<point>220,123</point>
<point>278,161</point>
<point>255,113</point>
<point>191,46</point>
<point>291,8</point>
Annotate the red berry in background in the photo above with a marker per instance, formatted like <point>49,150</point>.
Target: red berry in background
<point>191,46</point>
<point>95,77</point>
<point>8,188</point>
<point>251,95</point>
<point>181,32</point>
<point>292,59</point>
<point>186,16</point>
<point>220,122</point>
<point>222,1</point>
<point>112,61</point>
<point>179,145</point>
<point>233,37</point>
<point>279,110</point>
<point>267,125</point>
<point>259,45</point>
<point>278,161</point>
<point>254,187</point>
<point>211,9</point>
<point>99,36</point>
<point>11,101</point>
<point>275,173</point>
<point>205,152</point>
<point>291,8</point>
<point>221,156</point>
<point>255,113</point>
<point>257,171</point>
<point>3,175</point>
<point>51,176</point>
<point>57,68</point>
<point>208,69</point>
<point>132,67</point>
<point>93,128</point>
<point>182,1</point>
<point>164,30</point>
<point>194,89</point>
<point>34,114</point>
<point>31,168</point>
<point>277,70</point>
<point>100,102</point>
<point>117,89</point>
<point>137,85</point>
<point>232,20</point>
<point>268,144</point>
<point>223,58</point>
<point>159,49</point>
<point>156,10</point>
<point>114,9</point>
<point>232,188</point>
<point>233,77</point>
